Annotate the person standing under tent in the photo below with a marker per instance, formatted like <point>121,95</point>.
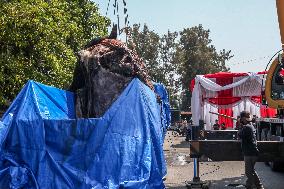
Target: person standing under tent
<point>247,134</point>
<point>216,126</point>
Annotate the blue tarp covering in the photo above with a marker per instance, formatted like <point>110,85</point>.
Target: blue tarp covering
<point>165,106</point>
<point>43,145</point>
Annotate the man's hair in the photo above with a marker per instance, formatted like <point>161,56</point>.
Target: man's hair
<point>244,114</point>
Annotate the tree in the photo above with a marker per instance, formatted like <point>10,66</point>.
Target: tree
<point>196,55</point>
<point>174,59</point>
<point>169,72</point>
<point>147,43</point>
<point>157,53</point>
<point>39,39</point>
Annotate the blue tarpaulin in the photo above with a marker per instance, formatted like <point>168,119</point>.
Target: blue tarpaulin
<point>43,145</point>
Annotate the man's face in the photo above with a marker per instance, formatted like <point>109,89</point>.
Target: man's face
<point>246,119</point>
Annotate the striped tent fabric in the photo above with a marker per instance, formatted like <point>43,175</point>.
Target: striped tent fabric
<point>242,91</point>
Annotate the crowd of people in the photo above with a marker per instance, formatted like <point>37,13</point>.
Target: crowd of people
<point>217,126</point>
<point>222,126</point>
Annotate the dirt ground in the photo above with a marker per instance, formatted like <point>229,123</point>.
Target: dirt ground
<point>220,174</point>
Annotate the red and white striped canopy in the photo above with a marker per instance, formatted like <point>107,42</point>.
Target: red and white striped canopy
<point>226,91</point>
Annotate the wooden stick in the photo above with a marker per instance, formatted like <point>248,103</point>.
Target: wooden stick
<point>223,115</point>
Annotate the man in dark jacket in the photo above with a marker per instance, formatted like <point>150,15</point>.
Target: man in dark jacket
<point>247,135</point>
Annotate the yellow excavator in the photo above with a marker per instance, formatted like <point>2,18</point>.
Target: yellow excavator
<point>273,96</point>
<point>274,85</point>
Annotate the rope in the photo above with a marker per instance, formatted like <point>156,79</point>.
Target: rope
<point>114,7</point>
<point>249,61</point>
<point>126,21</point>
<point>210,172</point>
<point>126,16</point>
<point>107,7</point>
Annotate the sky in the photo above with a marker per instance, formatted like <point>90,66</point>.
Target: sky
<point>249,28</point>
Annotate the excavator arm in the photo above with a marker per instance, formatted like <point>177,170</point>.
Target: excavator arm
<point>274,86</point>
<point>280,12</point>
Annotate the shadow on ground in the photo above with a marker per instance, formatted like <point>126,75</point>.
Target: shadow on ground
<point>234,182</point>
<point>176,187</point>
<point>226,183</point>
<point>182,144</point>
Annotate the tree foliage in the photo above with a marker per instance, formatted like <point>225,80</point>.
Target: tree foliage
<point>157,53</point>
<point>147,44</point>
<point>175,58</point>
<point>197,56</point>
<point>39,39</point>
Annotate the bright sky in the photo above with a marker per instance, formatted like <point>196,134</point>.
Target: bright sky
<point>247,27</point>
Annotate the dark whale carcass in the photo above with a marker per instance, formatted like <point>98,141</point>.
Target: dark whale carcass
<point>103,70</point>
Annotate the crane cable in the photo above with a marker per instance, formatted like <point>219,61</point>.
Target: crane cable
<point>107,7</point>
<point>248,61</point>
<point>116,9</point>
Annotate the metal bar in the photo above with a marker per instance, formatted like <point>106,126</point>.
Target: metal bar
<point>223,115</point>
<point>280,12</point>
<point>197,169</point>
<point>219,135</point>
<point>231,150</point>
<point>270,120</point>
<point>195,173</point>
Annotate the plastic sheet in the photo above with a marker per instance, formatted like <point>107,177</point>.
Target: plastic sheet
<point>42,145</point>
<point>165,106</point>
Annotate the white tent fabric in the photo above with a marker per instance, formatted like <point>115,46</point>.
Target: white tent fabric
<point>244,104</point>
<point>204,88</point>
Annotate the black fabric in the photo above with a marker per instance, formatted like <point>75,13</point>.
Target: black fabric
<point>247,135</point>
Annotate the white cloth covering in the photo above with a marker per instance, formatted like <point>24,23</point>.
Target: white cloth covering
<point>245,87</point>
